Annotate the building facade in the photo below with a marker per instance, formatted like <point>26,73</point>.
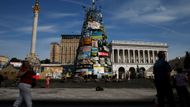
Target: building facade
<point>55,52</point>
<point>128,55</point>
<point>53,70</point>
<point>69,45</point>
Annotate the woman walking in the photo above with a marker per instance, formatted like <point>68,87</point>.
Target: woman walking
<point>25,75</point>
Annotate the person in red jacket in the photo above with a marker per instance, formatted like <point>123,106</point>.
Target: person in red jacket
<point>25,75</point>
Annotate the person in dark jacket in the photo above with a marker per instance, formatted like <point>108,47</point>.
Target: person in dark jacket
<point>161,70</point>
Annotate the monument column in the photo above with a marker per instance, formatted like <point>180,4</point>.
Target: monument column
<point>36,9</point>
<point>32,57</point>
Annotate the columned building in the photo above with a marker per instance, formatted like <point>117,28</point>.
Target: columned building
<point>133,55</point>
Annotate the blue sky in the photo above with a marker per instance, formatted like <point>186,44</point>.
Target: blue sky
<point>165,21</point>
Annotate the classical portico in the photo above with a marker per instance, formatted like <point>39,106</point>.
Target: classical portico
<point>130,54</point>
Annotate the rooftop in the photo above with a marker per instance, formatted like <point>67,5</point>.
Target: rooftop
<point>124,42</point>
<point>70,36</point>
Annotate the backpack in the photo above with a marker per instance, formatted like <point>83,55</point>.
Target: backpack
<point>98,88</point>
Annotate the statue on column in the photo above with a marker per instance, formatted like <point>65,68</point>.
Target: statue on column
<point>32,57</point>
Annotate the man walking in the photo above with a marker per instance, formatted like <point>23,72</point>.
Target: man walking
<point>163,86</point>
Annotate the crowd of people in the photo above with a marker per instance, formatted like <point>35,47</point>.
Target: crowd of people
<point>164,83</point>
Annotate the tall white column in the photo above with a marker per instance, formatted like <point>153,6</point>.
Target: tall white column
<point>153,56</point>
<point>139,57</point>
<point>134,57</point>
<point>123,56</point>
<point>144,61</point>
<point>129,56</point>
<point>148,56</point>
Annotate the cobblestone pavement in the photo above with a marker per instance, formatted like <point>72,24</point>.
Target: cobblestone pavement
<point>83,94</point>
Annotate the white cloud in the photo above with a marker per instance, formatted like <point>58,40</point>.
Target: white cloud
<point>61,15</point>
<point>48,28</point>
<point>155,18</point>
<point>151,11</point>
<point>76,2</point>
<point>45,28</point>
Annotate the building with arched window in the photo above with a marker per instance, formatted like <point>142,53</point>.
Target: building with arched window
<point>130,57</point>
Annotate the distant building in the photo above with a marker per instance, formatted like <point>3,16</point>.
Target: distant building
<point>53,70</point>
<point>65,52</point>
<point>69,45</point>
<point>125,55</point>
<point>133,55</point>
<point>3,61</point>
<point>55,52</point>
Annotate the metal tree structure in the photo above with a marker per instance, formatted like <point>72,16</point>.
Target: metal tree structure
<point>93,56</point>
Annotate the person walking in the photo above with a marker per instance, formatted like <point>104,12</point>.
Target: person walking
<point>161,70</point>
<point>181,88</point>
<point>25,75</point>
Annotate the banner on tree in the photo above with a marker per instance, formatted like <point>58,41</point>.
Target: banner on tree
<point>103,53</point>
<point>94,25</point>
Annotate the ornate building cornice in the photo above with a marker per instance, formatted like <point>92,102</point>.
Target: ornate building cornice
<point>137,43</point>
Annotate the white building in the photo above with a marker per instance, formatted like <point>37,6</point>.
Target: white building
<point>131,55</point>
